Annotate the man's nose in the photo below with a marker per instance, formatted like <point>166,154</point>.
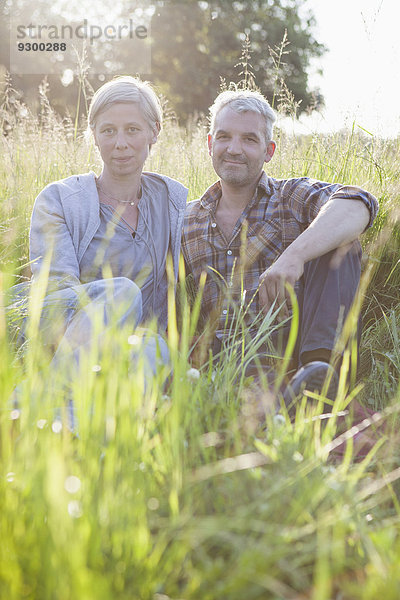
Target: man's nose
<point>234,146</point>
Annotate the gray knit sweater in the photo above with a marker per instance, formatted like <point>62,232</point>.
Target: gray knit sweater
<point>65,218</point>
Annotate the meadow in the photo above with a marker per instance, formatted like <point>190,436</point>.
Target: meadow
<point>182,494</point>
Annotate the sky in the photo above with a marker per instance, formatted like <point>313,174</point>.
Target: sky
<point>361,70</point>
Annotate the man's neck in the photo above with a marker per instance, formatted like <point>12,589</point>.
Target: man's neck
<point>235,198</point>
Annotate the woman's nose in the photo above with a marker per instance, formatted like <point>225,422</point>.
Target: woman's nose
<point>120,141</point>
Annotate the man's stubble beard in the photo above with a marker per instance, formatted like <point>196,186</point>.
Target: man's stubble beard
<point>237,176</point>
<point>231,173</point>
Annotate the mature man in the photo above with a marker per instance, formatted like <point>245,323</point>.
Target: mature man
<point>252,234</point>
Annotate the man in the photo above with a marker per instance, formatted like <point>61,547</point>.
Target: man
<point>253,234</point>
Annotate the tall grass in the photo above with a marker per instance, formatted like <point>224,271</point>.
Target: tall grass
<point>182,493</point>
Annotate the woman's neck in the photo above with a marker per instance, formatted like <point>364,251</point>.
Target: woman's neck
<point>122,189</point>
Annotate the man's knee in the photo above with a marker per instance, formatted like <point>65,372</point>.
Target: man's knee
<point>344,261</point>
<point>347,259</point>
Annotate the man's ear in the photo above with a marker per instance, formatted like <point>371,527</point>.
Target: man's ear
<point>209,142</point>
<point>269,151</point>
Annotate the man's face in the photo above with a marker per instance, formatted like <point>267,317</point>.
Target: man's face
<point>238,147</point>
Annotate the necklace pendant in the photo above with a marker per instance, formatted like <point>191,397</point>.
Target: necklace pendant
<point>132,203</point>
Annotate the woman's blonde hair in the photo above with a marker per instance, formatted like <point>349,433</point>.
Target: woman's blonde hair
<point>127,89</point>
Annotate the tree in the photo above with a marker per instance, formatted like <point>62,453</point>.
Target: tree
<point>197,43</point>
<point>194,44</point>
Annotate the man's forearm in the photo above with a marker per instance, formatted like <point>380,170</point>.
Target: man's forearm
<point>338,223</point>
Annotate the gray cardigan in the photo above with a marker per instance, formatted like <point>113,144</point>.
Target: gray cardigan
<point>65,218</point>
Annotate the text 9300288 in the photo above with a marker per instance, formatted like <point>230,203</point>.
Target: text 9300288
<point>41,47</point>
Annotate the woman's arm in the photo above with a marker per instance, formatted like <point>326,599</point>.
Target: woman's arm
<point>50,237</point>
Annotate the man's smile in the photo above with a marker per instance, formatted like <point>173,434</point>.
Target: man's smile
<point>234,162</point>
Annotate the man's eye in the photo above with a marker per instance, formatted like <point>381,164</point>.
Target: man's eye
<point>108,130</point>
<point>133,129</point>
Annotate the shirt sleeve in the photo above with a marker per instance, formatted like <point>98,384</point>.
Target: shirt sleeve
<point>357,193</point>
<point>305,198</point>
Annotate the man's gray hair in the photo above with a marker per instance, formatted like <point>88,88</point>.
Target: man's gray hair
<point>127,89</point>
<point>243,101</point>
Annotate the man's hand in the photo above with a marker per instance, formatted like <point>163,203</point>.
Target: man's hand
<point>338,223</point>
<point>286,269</point>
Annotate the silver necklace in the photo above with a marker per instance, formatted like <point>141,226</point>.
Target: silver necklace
<point>131,202</point>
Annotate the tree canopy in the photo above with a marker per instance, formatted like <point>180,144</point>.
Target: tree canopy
<point>195,44</point>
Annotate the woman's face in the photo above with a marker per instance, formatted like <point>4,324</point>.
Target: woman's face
<point>123,138</point>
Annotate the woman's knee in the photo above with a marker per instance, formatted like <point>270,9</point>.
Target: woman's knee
<point>126,290</point>
<point>125,285</point>
<point>127,295</point>
<point>117,289</point>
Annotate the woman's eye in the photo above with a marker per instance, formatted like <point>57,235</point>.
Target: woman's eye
<point>133,129</point>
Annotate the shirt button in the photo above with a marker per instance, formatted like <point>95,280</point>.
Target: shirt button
<point>224,311</point>
<point>213,224</point>
<point>229,252</point>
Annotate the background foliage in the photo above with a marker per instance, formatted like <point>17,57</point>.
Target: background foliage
<point>194,44</point>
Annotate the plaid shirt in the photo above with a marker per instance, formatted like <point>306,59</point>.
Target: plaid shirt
<point>278,213</point>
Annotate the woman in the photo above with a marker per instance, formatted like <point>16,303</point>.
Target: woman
<point>105,239</point>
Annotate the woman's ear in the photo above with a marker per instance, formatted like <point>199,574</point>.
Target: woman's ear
<point>95,138</point>
<point>156,132</point>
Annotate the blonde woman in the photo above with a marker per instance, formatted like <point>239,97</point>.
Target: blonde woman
<point>108,235</point>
